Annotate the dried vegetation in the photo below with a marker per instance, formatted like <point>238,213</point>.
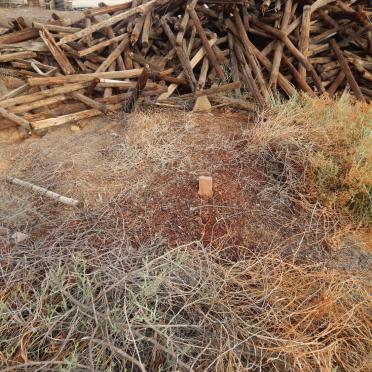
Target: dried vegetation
<point>147,276</point>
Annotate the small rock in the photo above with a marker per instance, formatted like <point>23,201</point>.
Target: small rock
<point>4,231</point>
<point>202,104</point>
<point>74,128</point>
<point>205,186</point>
<point>19,237</point>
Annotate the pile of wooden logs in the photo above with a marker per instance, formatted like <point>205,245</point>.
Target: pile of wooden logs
<point>166,51</point>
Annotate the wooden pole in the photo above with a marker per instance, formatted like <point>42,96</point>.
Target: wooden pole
<point>346,69</point>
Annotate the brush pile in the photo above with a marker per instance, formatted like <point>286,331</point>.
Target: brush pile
<point>114,57</point>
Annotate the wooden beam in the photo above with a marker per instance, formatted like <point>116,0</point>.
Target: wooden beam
<point>114,55</point>
<point>77,78</point>
<point>208,49</point>
<point>40,95</point>
<point>101,45</point>
<point>65,119</point>
<point>346,69</point>
<point>56,51</point>
<point>15,119</point>
<point>13,56</point>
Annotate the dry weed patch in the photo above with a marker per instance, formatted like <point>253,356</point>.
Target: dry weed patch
<point>72,306</point>
<point>321,150</point>
<point>148,276</point>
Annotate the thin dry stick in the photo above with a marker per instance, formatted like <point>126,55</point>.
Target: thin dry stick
<point>45,192</point>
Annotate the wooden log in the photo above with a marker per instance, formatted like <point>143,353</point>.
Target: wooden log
<point>56,51</point>
<point>291,47</point>
<point>109,83</point>
<point>107,9</point>
<point>305,37</point>
<point>247,73</point>
<point>280,46</point>
<point>55,28</point>
<point>336,83</point>
<point>346,69</point>
<point>252,62</point>
<point>16,37</point>
<point>40,95</point>
<point>65,119</point>
<point>282,81</point>
<point>62,109</point>
<point>209,51</point>
<point>36,104</point>
<point>114,55</point>
<point>301,81</point>
<point>203,73</point>
<point>101,45</point>
<point>146,30</point>
<point>15,119</point>
<point>194,61</point>
<point>77,78</point>
<point>233,62</point>
<point>211,91</point>
<point>16,92</point>
<point>108,22</point>
<point>182,56</point>
<point>14,56</point>
<point>89,101</point>
<point>42,191</point>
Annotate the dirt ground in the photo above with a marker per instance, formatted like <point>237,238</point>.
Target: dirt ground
<point>145,166</point>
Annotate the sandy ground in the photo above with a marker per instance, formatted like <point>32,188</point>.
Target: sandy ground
<point>32,14</point>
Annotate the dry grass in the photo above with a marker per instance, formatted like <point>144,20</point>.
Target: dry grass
<point>322,151</point>
<point>147,276</point>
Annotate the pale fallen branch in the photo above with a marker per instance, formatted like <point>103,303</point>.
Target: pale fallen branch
<point>45,192</point>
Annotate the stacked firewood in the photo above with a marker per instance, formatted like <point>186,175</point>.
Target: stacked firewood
<point>165,51</point>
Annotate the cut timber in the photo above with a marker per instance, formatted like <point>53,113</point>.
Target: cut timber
<point>56,28</point>
<point>194,61</point>
<point>182,56</point>
<point>13,56</point>
<point>15,119</point>
<point>108,22</point>
<point>60,120</point>
<point>89,101</point>
<point>280,46</point>
<point>101,45</point>
<point>213,90</point>
<point>305,37</point>
<point>36,104</point>
<point>346,69</point>
<point>114,55</point>
<point>209,51</point>
<point>56,51</point>
<point>16,92</point>
<point>108,9</point>
<point>127,74</point>
<point>42,191</point>
<point>40,95</point>
<point>16,37</point>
